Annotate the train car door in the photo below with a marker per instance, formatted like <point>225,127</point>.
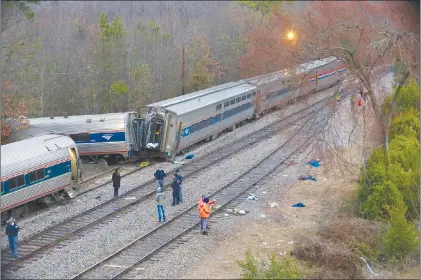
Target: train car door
<point>138,132</point>
<point>74,163</point>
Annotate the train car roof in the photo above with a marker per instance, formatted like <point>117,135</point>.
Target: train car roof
<point>33,147</point>
<point>196,100</point>
<point>71,124</point>
<point>314,64</point>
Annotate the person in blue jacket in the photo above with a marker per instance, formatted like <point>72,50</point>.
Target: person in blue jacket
<point>159,176</point>
<point>180,191</point>
<point>12,230</point>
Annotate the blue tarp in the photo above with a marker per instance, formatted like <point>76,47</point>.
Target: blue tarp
<point>308,177</point>
<point>190,156</point>
<point>314,163</point>
<point>299,204</point>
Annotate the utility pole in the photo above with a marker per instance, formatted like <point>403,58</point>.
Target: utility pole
<point>182,73</point>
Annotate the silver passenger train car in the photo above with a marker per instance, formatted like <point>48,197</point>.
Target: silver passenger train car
<point>180,122</point>
<point>112,136</point>
<point>36,170</point>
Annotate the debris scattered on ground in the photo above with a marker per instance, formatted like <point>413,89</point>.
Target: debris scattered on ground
<point>226,215</point>
<point>190,156</point>
<point>291,162</point>
<point>179,162</point>
<point>262,216</point>
<point>116,208</point>
<point>291,242</point>
<point>229,210</point>
<point>264,243</point>
<point>314,163</point>
<point>130,198</point>
<point>98,197</point>
<point>242,212</point>
<point>263,192</point>
<point>308,177</point>
<point>285,175</point>
<point>299,204</point>
<point>324,180</point>
<point>368,267</point>
<point>252,197</point>
<point>282,253</point>
<point>273,204</point>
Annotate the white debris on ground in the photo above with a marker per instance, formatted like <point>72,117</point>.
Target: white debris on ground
<point>58,213</point>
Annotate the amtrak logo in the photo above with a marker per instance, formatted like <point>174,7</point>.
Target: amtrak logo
<point>107,136</point>
<point>186,131</point>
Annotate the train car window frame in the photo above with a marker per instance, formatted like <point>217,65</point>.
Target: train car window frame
<point>226,104</point>
<point>253,93</point>
<point>218,117</point>
<point>238,99</point>
<point>218,107</point>
<point>2,187</point>
<point>232,102</point>
<point>244,97</point>
<point>75,137</point>
<point>15,181</point>
<point>84,137</point>
<point>39,175</point>
<point>249,96</point>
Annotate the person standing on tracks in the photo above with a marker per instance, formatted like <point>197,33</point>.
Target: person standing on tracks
<point>199,205</point>
<point>159,176</point>
<point>175,185</point>
<point>160,197</point>
<point>204,212</point>
<point>116,181</point>
<point>177,173</point>
<point>12,230</point>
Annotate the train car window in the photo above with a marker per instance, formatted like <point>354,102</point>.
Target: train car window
<point>2,187</point>
<point>249,96</point>
<point>75,137</point>
<point>232,102</point>
<point>36,175</point>
<point>218,117</point>
<point>243,107</point>
<point>218,107</point>
<point>253,93</point>
<point>243,97</point>
<point>84,137</point>
<point>16,182</point>
<point>203,124</point>
<point>226,104</point>
<point>238,99</point>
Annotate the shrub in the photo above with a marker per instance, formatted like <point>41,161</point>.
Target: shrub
<point>383,197</point>
<point>401,238</point>
<point>406,124</point>
<point>333,257</point>
<point>285,269</point>
<point>409,97</point>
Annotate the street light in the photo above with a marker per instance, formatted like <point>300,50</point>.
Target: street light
<point>290,35</point>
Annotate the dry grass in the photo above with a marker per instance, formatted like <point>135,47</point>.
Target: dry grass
<point>332,259</point>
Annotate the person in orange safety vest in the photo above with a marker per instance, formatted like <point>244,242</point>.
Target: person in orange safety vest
<point>200,202</point>
<point>204,212</point>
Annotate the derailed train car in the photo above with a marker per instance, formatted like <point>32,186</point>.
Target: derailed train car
<point>111,136</point>
<point>37,170</point>
<point>180,122</point>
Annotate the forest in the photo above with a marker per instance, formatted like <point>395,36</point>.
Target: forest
<point>71,57</point>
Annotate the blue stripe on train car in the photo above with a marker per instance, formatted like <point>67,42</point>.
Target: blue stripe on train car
<point>101,137</point>
<point>214,119</point>
<point>49,172</point>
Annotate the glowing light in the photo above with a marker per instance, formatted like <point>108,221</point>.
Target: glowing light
<point>290,35</point>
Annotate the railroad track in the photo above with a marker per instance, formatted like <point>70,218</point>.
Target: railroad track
<point>38,243</point>
<point>118,264</point>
